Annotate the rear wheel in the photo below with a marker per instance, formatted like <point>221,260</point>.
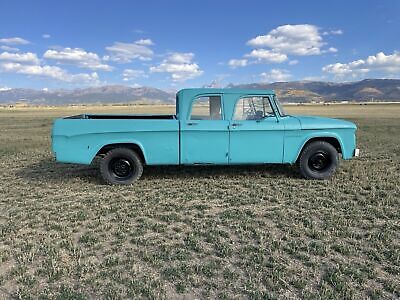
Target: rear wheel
<point>318,160</point>
<point>121,166</point>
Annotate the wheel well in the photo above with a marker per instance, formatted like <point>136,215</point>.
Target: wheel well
<point>331,140</point>
<point>133,147</point>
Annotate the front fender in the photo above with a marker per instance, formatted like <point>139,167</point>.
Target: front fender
<point>294,143</point>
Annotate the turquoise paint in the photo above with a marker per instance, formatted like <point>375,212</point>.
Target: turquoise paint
<point>276,139</point>
<point>79,140</point>
<point>204,142</point>
<point>256,141</point>
<point>313,127</point>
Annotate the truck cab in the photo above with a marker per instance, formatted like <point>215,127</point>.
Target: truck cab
<point>230,127</point>
<point>211,126</point>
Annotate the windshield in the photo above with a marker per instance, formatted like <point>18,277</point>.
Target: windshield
<point>280,107</point>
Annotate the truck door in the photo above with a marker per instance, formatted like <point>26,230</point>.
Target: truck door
<point>256,134</point>
<point>204,132</point>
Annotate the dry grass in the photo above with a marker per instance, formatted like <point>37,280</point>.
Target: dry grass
<point>245,232</point>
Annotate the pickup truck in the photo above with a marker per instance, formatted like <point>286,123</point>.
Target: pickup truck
<point>211,126</point>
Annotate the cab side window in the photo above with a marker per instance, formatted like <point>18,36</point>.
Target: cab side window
<point>253,108</point>
<point>206,108</point>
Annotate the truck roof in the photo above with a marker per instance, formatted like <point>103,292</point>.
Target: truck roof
<point>186,96</point>
<point>225,91</point>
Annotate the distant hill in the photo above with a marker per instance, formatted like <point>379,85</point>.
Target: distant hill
<point>307,91</point>
<point>295,91</point>
<point>93,95</point>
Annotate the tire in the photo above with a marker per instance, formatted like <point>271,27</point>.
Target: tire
<point>121,166</point>
<point>318,160</point>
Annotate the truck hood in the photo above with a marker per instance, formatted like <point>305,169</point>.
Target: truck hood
<point>312,122</point>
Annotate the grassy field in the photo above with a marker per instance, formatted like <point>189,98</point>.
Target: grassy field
<point>197,232</point>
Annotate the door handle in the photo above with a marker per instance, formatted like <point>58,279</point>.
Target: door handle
<point>236,124</point>
<point>192,123</point>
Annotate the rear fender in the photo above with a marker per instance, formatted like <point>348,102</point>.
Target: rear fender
<point>132,144</point>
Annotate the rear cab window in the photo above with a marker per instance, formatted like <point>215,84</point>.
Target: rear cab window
<point>206,108</point>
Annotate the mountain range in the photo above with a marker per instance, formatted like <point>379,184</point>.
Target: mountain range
<point>295,91</point>
<point>93,95</point>
<point>308,91</point>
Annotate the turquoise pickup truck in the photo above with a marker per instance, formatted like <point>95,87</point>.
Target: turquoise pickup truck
<point>211,126</point>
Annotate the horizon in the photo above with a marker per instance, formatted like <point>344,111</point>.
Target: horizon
<point>168,46</point>
<point>171,90</point>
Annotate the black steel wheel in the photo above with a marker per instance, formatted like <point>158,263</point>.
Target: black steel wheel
<point>121,166</point>
<point>318,160</point>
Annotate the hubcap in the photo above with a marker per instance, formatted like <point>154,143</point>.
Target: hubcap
<point>121,168</point>
<point>319,161</point>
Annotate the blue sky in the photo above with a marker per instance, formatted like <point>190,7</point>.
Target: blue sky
<point>175,44</point>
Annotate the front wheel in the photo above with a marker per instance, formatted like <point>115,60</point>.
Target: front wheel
<point>318,160</point>
<point>121,166</point>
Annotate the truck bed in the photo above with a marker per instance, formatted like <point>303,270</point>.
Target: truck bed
<point>123,117</point>
<point>78,139</point>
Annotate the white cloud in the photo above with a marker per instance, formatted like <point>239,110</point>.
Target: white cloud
<point>127,52</point>
<point>302,39</point>
<point>145,42</point>
<point>180,58</point>
<point>136,86</point>
<point>333,32</point>
<point>267,56</point>
<point>234,63</point>
<point>293,62</point>
<point>285,40</point>
<point>275,75</point>
<point>29,64</point>
<point>46,36</point>
<point>332,50</point>
<point>24,58</point>
<point>339,69</point>
<point>180,66</point>
<point>5,89</point>
<point>130,74</point>
<point>338,32</point>
<point>9,49</point>
<point>78,57</point>
<point>53,72</point>
<point>14,41</point>
<point>387,64</point>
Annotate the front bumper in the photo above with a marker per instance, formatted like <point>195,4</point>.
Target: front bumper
<point>356,152</point>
